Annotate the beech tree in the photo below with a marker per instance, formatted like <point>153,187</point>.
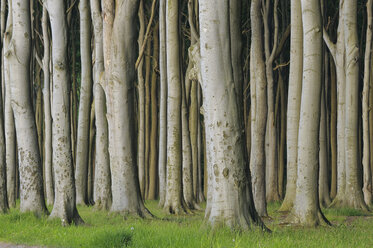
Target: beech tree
<point>19,54</point>
<point>258,110</point>
<point>230,203</point>
<point>82,145</point>
<point>64,206</point>
<point>306,209</point>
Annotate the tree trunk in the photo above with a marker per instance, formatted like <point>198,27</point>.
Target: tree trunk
<point>30,167</point>
<point>174,191</point>
<point>306,210</point>
<point>3,186</point>
<point>367,186</point>
<point>82,143</point>
<point>294,102</point>
<point>141,105</point>
<point>258,110</point>
<point>354,195</point>
<point>153,167</point>
<point>49,188</point>
<point>64,204</point>
<point>333,130</point>
<point>10,135</point>
<point>324,197</point>
<point>102,180</point>
<point>271,135</point>
<point>120,105</point>
<point>225,141</point>
<point>162,158</point>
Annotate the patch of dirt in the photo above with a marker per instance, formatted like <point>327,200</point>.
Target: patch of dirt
<point>5,245</point>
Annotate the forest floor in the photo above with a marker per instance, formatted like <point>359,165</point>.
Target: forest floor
<point>351,228</point>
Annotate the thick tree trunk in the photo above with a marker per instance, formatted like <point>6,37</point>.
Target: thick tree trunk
<point>102,179</point>
<point>162,158</point>
<point>30,167</point>
<point>120,92</point>
<point>306,210</point>
<point>354,195</point>
<point>367,185</point>
<point>225,142</point>
<point>49,188</point>
<point>258,110</point>
<point>64,204</point>
<point>82,143</point>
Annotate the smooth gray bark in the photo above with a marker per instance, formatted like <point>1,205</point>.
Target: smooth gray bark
<point>258,110</point>
<point>48,171</point>
<point>102,180</point>
<point>64,203</point>
<point>19,55</point>
<point>82,145</point>
<point>225,142</point>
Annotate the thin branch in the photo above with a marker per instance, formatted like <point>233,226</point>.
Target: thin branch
<point>147,34</point>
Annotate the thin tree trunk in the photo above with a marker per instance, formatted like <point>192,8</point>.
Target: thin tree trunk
<point>82,143</point>
<point>174,191</point>
<point>333,130</point>
<point>162,158</point>
<point>294,102</point>
<point>153,167</point>
<point>49,189</point>
<point>141,104</point>
<point>367,185</point>
<point>102,181</point>
<point>258,110</point>
<point>10,135</point>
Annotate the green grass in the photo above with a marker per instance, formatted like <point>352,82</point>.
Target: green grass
<point>351,228</point>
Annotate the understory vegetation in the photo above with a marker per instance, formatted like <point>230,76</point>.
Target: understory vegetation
<point>351,228</point>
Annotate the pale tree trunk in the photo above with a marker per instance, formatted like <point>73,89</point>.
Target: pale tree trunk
<point>306,209</point>
<point>174,191</point>
<point>30,166</point>
<point>225,140</point>
<point>162,157</point>
<point>153,167</point>
<point>49,189</point>
<point>354,195</point>
<point>82,143</point>
<point>64,203</point>
<point>10,135</point>
<point>258,110</point>
<point>338,52</point>
<point>102,179</point>
<point>120,92</point>
<point>271,135</point>
<point>324,197</point>
<point>147,116</point>
<point>141,105</point>
<point>294,102</point>
<point>3,186</point>
<point>367,185</point>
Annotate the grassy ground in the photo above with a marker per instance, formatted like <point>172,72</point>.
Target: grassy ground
<point>351,228</point>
